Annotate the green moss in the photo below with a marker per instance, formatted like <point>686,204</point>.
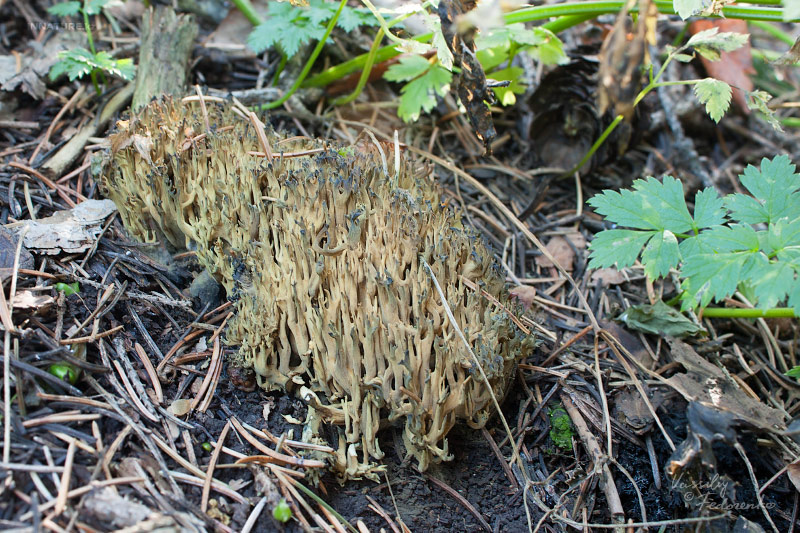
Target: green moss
<point>561,431</point>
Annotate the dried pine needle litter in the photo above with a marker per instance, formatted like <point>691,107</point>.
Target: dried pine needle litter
<point>321,248</point>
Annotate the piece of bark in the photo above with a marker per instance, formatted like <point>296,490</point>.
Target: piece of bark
<point>167,42</point>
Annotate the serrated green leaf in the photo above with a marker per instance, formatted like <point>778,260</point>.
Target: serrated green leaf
<point>774,187</point>
<point>420,94</point>
<point>757,101</point>
<point>709,43</point>
<point>715,94</point>
<point>666,198</point>
<point>75,63</point>
<point>687,8</point>
<point>709,209</point>
<point>694,245</point>
<point>407,68</point>
<point>783,239</point>
<point>492,57</point>
<point>711,276</point>
<point>625,209</point>
<point>545,46</point>
<point>495,37</point>
<point>794,297</point>
<point>506,95</point>
<point>661,254</point>
<point>65,9</point>
<point>618,247</point>
<point>443,53</point>
<point>733,238</point>
<point>771,282</point>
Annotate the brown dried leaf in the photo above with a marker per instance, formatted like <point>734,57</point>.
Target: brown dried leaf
<point>525,294</point>
<point>793,471</point>
<point>561,250</point>
<point>607,277</point>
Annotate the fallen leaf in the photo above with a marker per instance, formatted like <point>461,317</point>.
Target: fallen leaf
<point>659,319</point>
<point>559,247</point>
<point>37,61</point>
<point>793,471</point>
<point>733,67</point>
<point>73,230</point>
<point>525,294</point>
<point>30,300</point>
<point>607,277</point>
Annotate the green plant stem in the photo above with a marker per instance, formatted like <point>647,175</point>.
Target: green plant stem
<point>281,66</point>
<point>725,312</point>
<point>310,63</point>
<point>341,70</point>
<point>90,38</point>
<point>362,80</point>
<point>773,30</point>
<point>247,10</point>
<point>611,127</point>
<point>665,7</point>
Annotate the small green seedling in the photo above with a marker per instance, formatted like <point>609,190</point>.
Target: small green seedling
<point>68,288</point>
<point>65,372</point>
<point>206,446</point>
<point>743,242</point>
<point>79,62</point>
<point>282,512</point>
<point>561,431</point>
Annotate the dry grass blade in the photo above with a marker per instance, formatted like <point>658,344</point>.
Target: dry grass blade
<point>151,372</point>
<point>211,465</point>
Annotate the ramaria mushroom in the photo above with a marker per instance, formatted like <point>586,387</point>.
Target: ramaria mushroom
<point>321,249</point>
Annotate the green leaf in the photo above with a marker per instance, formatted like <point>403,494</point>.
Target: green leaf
<point>420,94</point>
<point>783,238</point>
<point>771,282</point>
<point>709,209</point>
<point>407,68</point>
<point>94,7</point>
<point>757,101</point>
<point>65,9</point>
<point>68,288</point>
<point>667,198</point>
<point>774,188</point>
<point>626,209</point>
<point>282,512</point>
<point>734,238</point>
<point>659,319</point>
<point>794,297</point>
<point>506,95</point>
<point>618,247</point>
<point>661,254</point>
<point>709,43</point>
<point>79,62</point>
<point>75,63</point>
<point>687,8</point>
<point>492,57</point>
<point>65,372</point>
<point>544,46</point>
<point>711,276</point>
<point>715,94</point>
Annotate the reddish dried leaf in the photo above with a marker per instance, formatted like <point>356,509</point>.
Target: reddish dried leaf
<point>525,294</point>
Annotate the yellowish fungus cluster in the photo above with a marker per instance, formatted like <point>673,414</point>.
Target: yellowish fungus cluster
<point>323,249</point>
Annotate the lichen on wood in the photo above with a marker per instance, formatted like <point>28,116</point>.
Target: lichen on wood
<point>321,250</point>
